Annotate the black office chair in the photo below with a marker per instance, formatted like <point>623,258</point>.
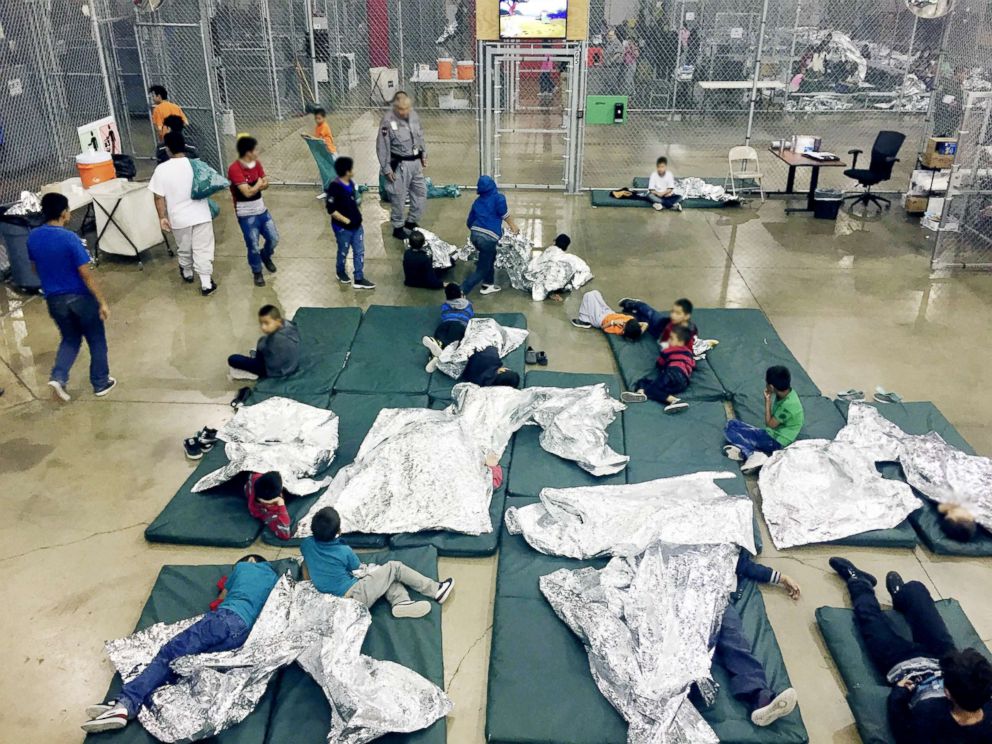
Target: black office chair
<point>883,157</point>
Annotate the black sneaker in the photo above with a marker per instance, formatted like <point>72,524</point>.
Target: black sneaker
<point>410,226</point>
<point>344,278</point>
<point>894,583</point>
<point>207,438</point>
<point>363,284</point>
<point>580,323</point>
<point>444,590</point>
<point>105,390</point>
<point>270,265</point>
<point>187,279</point>
<point>259,279</point>
<point>240,398</point>
<point>193,449</point>
<point>401,233</point>
<point>848,571</point>
<point>207,292</point>
<point>624,301</point>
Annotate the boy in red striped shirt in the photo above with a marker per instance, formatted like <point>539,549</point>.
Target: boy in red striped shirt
<point>267,502</point>
<point>675,367</point>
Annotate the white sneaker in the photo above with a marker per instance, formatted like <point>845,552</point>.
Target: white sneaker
<point>676,407</point>
<point>678,207</point>
<point>233,373</point>
<point>734,453</point>
<point>783,704</point>
<point>59,391</point>
<point>754,462</point>
<point>633,396</point>
<point>444,590</point>
<point>431,365</point>
<point>490,289</point>
<point>93,711</point>
<point>111,719</point>
<point>411,609</point>
<point>657,207</point>
<point>432,345</point>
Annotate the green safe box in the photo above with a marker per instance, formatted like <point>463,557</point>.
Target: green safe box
<point>606,109</point>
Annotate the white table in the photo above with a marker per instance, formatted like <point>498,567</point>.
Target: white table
<point>740,84</point>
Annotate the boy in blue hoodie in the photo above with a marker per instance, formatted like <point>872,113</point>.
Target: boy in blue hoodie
<point>485,223</point>
<point>456,312</point>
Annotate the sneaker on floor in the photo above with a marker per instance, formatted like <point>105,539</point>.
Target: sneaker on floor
<point>754,462</point>
<point>233,373</point>
<point>733,453</point>
<point>240,398</point>
<point>270,265</point>
<point>783,704</point>
<point>848,571</point>
<point>400,233</point>
<point>344,278</point>
<point>886,396</point>
<point>207,438</point>
<point>657,207</point>
<point>411,609</point>
<point>111,384</point>
<point>894,583</point>
<point>432,345</point>
<point>633,396</point>
<point>207,291</point>
<point>410,226</point>
<point>188,278</point>
<point>193,449</point>
<point>431,365</point>
<point>678,207</point>
<point>59,391</point>
<point>444,591</point>
<point>580,323</point>
<point>490,289</point>
<point>624,301</point>
<point>259,279</point>
<point>851,395</point>
<point>362,284</point>
<point>92,711</point>
<point>112,719</point>
<point>677,407</point>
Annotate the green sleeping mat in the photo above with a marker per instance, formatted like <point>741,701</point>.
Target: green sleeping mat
<point>317,400</point>
<point>663,445</point>
<point>441,385</point>
<point>332,328</point>
<point>922,417</point>
<point>867,692</point>
<point>637,359</point>
<point>533,468</point>
<point>218,517</point>
<point>602,198</point>
<point>748,346</point>
<point>180,592</point>
<point>301,714</point>
<point>541,690</point>
<point>823,421</point>
<point>356,414</point>
<point>387,355</point>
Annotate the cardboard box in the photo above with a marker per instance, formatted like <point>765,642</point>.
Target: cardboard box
<point>915,204</point>
<point>939,152</point>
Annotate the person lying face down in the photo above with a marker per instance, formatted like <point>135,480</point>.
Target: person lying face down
<point>485,369</point>
<point>957,522</point>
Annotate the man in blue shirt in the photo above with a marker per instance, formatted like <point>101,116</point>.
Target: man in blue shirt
<point>244,594</point>
<point>74,300</point>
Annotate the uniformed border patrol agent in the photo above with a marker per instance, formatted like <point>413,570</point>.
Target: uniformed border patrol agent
<point>402,159</point>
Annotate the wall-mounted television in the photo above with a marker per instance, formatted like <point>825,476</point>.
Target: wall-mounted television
<point>533,19</point>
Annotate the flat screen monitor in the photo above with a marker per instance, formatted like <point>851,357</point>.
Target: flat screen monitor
<point>533,19</point>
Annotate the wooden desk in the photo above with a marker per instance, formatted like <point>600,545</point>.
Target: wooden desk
<point>795,160</point>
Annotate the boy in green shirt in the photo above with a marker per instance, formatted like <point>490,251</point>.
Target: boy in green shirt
<point>784,418</point>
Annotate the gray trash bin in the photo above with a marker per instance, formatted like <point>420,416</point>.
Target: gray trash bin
<point>14,230</point>
<point>826,203</point>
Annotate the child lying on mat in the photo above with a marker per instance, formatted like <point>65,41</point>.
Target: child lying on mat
<point>595,313</point>
<point>939,693</point>
<point>675,366</point>
<point>277,352</point>
<point>784,419</point>
<point>225,627</point>
<point>267,502</point>
<point>748,682</point>
<point>335,569</point>
<point>485,368</point>
<point>957,522</point>
<point>456,312</point>
<point>657,323</point>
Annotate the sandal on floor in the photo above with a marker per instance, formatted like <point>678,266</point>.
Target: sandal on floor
<point>851,395</point>
<point>884,396</point>
<point>530,356</point>
<point>542,359</point>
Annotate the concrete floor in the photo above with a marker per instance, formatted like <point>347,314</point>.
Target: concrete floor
<point>854,300</point>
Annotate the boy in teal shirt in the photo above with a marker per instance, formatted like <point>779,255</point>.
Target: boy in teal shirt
<point>784,418</point>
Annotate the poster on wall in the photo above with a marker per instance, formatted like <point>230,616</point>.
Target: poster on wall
<point>101,135</point>
<point>533,19</point>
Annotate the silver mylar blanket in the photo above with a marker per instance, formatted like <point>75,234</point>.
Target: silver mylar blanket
<point>324,633</point>
<point>697,188</point>
<point>479,334</point>
<point>646,622</point>
<point>555,270</point>
<point>294,439</point>
<point>441,252</point>
<point>624,520</point>
<point>419,469</point>
<point>513,254</point>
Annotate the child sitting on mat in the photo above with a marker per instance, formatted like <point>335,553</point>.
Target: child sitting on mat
<point>456,312</point>
<point>226,627</point>
<point>418,264</point>
<point>595,313</point>
<point>784,418</point>
<point>335,569</point>
<point>661,188</point>
<point>267,502</point>
<point>659,324</point>
<point>277,352</point>
<point>675,366</point>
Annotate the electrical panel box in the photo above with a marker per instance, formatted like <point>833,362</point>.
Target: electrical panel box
<point>606,109</point>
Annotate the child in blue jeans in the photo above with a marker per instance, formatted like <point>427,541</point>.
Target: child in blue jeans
<point>346,219</point>
<point>784,418</point>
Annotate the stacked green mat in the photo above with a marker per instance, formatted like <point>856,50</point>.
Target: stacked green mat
<point>637,359</point>
<point>867,691</point>
<point>603,198</point>
<point>540,689</point>
<point>823,421</point>
<point>922,417</point>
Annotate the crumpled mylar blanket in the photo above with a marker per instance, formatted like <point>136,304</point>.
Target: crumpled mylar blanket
<point>278,434</point>
<point>624,520</point>
<point>646,622</point>
<point>818,490</point>
<point>419,469</point>
<point>555,270</point>
<point>697,188</point>
<point>324,633</point>
<point>480,333</point>
<point>441,252</point>
<point>29,203</point>
<point>513,254</point>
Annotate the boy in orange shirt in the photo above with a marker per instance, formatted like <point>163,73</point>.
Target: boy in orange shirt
<point>323,130</point>
<point>163,107</point>
<point>594,312</point>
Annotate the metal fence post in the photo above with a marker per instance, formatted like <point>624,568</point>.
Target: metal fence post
<point>757,71</point>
